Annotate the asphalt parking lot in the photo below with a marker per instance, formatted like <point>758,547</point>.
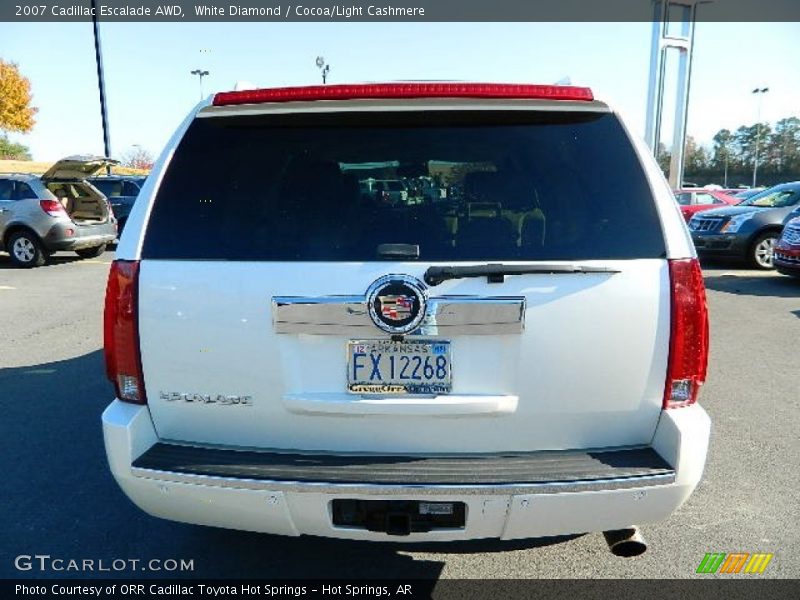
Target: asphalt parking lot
<point>60,499</point>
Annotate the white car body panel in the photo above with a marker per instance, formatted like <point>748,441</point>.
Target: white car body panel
<point>567,398</point>
<point>682,434</point>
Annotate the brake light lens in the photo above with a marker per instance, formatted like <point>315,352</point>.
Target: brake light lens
<point>688,343</point>
<point>405,90</point>
<point>52,207</point>
<point>121,332</point>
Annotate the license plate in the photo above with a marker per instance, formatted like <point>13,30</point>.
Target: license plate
<point>436,508</point>
<point>407,367</point>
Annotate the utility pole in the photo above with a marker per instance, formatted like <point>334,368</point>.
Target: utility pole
<point>200,73</point>
<point>725,183</point>
<point>323,68</point>
<point>759,93</point>
<point>101,86</point>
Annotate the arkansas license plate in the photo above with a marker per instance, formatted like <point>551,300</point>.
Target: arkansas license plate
<point>407,367</point>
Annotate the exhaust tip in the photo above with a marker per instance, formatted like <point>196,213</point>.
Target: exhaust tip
<point>625,543</point>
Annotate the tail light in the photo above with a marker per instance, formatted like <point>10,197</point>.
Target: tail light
<point>688,342</point>
<point>52,207</point>
<point>121,331</point>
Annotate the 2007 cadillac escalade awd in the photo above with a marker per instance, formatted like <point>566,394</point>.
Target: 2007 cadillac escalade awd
<point>519,360</point>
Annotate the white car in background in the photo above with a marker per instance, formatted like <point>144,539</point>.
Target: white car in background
<point>303,359</point>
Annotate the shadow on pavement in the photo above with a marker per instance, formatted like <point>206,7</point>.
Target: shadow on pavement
<point>56,259</point>
<point>729,264</point>
<point>773,284</point>
<point>61,500</point>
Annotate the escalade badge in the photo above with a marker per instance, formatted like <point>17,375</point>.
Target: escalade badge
<point>396,303</point>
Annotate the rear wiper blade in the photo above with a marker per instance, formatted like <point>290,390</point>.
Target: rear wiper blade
<point>495,273</point>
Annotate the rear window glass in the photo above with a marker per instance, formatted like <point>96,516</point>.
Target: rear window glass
<point>129,189</point>
<point>303,187</point>
<point>773,198</point>
<point>109,188</point>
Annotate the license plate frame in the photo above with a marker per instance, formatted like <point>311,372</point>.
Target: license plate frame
<point>360,373</point>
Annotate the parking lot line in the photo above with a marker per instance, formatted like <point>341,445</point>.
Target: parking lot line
<point>7,287</point>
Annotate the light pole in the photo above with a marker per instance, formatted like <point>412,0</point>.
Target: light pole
<point>324,69</point>
<point>725,183</point>
<point>759,92</point>
<point>101,86</point>
<point>200,73</point>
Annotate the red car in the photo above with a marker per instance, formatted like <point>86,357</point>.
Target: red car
<point>786,256</point>
<point>695,200</point>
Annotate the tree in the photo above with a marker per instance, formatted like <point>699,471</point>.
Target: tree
<point>783,146</point>
<point>746,139</point>
<point>13,151</point>
<point>723,149</point>
<point>137,158</point>
<point>696,158</point>
<point>778,153</point>
<point>663,157</point>
<point>16,112</point>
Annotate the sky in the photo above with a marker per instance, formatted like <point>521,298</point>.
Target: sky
<point>150,89</point>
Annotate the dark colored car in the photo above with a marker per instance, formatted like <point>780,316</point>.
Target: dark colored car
<point>787,250</point>
<point>694,200</point>
<point>749,230</point>
<point>121,191</point>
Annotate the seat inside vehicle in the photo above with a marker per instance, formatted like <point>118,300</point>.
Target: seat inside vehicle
<point>82,204</point>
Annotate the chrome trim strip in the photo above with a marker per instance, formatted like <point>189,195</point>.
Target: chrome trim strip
<point>325,315</point>
<point>505,489</point>
<point>403,405</point>
<point>402,105</point>
<point>446,315</point>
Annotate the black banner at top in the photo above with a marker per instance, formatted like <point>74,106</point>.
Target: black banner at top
<point>391,10</point>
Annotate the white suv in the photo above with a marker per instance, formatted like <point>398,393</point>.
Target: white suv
<point>522,360</point>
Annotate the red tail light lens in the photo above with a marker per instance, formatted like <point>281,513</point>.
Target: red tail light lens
<point>121,331</point>
<point>688,343</point>
<point>405,90</point>
<point>52,207</point>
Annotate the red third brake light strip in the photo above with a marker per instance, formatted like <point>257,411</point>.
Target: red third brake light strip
<point>405,90</point>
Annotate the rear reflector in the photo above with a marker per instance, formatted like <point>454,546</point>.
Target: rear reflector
<point>121,332</point>
<point>688,343</point>
<point>405,90</point>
